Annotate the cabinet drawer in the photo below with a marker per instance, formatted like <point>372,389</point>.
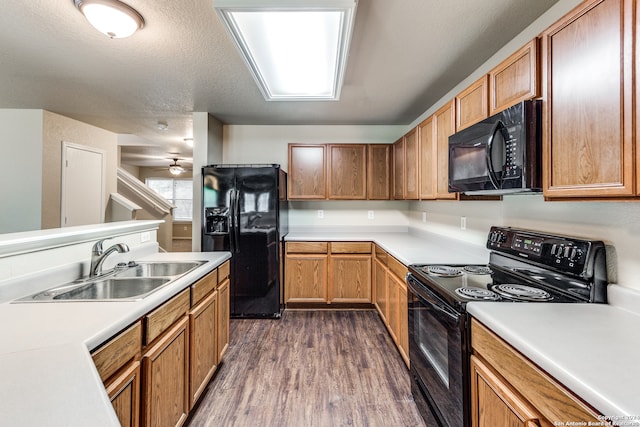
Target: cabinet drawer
<point>223,271</point>
<point>204,286</point>
<point>165,315</point>
<point>397,268</point>
<point>350,248</point>
<point>307,247</point>
<point>118,351</point>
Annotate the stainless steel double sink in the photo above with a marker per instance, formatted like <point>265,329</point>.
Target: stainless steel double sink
<point>133,281</point>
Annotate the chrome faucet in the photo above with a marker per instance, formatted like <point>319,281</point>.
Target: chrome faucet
<point>98,256</point>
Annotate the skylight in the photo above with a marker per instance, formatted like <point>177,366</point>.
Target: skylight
<point>295,50</point>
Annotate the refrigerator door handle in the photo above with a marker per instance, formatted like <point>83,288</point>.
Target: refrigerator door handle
<point>236,219</point>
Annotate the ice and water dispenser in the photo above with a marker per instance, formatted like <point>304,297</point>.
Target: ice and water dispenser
<point>216,220</point>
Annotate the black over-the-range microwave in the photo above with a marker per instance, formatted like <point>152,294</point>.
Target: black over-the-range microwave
<point>499,155</point>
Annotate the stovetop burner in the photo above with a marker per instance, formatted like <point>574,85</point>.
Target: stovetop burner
<point>478,294</point>
<point>444,271</point>
<point>477,269</point>
<point>522,292</point>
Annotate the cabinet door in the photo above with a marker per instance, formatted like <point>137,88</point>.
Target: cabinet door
<point>398,169</point>
<point>350,278</point>
<point>203,349</point>
<point>165,393</point>
<point>381,289</point>
<point>124,392</point>
<point>393,320</point>
<point>403,323</point>
<point>307,178</point>
<point>444,121</point>
<point>587,112</point>
<point>515,79</point>
<point>427,148</point>
<point>306,278</point>
<point>348,171</point>
<point>494,403</point>
<point>411,165</point>
<point>472,104</point>
<point>379,172</point>
<point>223,318</point>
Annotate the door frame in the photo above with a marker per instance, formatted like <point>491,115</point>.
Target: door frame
<point>63,196</point>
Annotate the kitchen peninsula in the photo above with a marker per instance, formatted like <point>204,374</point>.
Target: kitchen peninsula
<point>48,374</point>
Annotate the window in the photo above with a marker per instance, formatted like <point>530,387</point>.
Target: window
<point>177,191</point>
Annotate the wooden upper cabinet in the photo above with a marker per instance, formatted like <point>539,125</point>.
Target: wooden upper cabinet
<point>398,169</point>
<point>516,79</point>
<point>379,172</point>
<point>307,167</point>
<point>411,185</point>
<point>348,171</point>
<point>444,122</point>
<point>472,104</point>
<point>587,142</point>
<point>427,152</point>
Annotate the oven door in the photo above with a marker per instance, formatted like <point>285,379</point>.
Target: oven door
<point>437,353</point>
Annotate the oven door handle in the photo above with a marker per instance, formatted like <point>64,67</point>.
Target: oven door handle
<point>429,298</point>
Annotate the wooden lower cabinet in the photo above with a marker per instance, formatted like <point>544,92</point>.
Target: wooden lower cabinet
<point>507,389</point>
<point>124,392</point>
<point>381,289</point>
<point>350,279</point>
<point>391,299</point>
<point>495,403</point>
<point>403,323</point>
<point>306,277</point>
<point>393,316</point>
<point>203,348</point>
<point>223,318</point>
<point>165,390</point>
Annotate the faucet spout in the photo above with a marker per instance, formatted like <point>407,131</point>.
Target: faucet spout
<point>98,255</point>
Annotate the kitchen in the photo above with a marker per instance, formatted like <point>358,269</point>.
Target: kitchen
<point>613,222</point>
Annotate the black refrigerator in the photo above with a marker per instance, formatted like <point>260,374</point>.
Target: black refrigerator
<point>245,212</point>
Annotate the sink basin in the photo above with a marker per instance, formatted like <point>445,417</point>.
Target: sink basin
<point>159,269</point>
<point>114,288</point>
<point>132,282</point>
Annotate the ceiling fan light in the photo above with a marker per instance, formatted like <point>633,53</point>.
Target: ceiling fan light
<point>111,17</point>
<point>175,169</point>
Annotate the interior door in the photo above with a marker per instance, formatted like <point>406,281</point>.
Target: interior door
<point>82,192</point>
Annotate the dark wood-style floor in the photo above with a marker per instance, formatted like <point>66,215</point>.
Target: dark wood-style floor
<point>310,368</point>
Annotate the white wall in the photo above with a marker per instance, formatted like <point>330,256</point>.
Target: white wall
<point>21,171</point>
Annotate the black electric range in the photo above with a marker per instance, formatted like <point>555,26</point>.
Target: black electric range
<point>524,266</point>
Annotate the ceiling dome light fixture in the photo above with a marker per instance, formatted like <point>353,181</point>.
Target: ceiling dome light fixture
<point>111,17</point>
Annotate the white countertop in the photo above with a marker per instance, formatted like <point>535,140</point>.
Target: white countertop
<point>592,349</point>
<point>417,248</point>
<point>48,376</point>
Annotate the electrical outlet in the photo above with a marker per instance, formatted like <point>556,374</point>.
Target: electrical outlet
<point>370,214</point>
<point>424,217</point>
<point>463,223</point>
<point>320,213</point>
<point>145,237</point>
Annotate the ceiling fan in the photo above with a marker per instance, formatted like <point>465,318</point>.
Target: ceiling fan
<point>175,168</point>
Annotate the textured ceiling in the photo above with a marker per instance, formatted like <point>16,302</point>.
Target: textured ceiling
<point>404,56</point>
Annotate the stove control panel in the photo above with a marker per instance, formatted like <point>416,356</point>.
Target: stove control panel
<point>562,253</point>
